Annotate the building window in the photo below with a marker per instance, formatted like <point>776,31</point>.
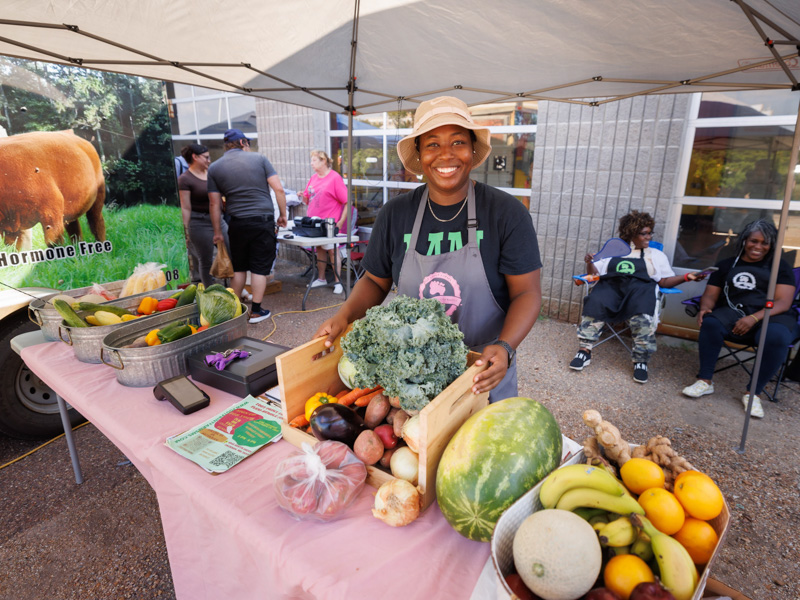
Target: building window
<point>735,170</point>
<point>378,174</point>
<point>201,116</point>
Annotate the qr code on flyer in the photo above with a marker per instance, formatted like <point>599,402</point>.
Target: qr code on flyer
<point>225,460</point>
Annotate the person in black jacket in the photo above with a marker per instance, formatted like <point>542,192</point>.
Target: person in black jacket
<point>733,303</point>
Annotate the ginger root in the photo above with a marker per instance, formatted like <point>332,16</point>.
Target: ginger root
<point>608,437</point>
<point>591,450</point>
<point>659,450</point>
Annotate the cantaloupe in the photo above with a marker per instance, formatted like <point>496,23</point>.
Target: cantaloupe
<point>557,554</point>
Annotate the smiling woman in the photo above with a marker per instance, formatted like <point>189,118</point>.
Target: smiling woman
<point>733,305</point>
<point>466,244</point>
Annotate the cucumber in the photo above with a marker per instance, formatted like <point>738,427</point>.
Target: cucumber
<point>187,296</point>
<point>70,316</point>
<point>177,294</point>
<point>174,333</point>
<point>93,308</point>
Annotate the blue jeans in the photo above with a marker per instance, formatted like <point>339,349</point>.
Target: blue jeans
<point>776,345</point>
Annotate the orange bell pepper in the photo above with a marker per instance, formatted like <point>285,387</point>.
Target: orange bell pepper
<point>147,306</point>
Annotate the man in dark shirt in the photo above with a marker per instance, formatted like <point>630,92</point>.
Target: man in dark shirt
<point>245,179</point>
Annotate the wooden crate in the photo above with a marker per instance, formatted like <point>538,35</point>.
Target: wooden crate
<point>300,377</point>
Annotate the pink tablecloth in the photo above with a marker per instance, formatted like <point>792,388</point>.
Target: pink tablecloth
<point>226,535</point>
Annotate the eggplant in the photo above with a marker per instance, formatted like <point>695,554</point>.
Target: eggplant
<point>336,422</point>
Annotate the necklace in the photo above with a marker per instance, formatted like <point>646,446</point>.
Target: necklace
<point>430,207</point>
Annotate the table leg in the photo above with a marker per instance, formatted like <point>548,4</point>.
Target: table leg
<point>73,452</point>
<point>312,256</point>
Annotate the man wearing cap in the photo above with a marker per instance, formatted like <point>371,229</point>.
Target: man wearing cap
<point>245,178</point>
<point>468,245</point>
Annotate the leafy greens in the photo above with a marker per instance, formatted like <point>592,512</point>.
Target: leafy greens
<point>410,347</point>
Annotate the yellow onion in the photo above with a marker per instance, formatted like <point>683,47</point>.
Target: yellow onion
<point>404,464</point>
<point>397,503</point>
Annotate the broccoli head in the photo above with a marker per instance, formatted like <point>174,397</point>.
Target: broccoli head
<point>410,347</point>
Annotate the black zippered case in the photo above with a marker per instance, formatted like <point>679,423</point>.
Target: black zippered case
<point>252,375</point>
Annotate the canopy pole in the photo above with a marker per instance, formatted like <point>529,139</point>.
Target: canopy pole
<point>351,90</point>
<point>773,275</point>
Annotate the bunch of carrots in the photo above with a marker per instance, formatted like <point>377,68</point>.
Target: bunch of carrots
<point>359,397</point>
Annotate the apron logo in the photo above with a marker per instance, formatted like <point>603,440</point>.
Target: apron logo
<point>744,281</point>
<point>626,266</point>
<point>444,288</point>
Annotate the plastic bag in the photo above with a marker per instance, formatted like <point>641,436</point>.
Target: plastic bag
<point>98,289</point>
<point>145,278</point>
<point>319,483</point>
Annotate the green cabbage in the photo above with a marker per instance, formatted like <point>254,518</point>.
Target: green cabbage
<point>216,303</point>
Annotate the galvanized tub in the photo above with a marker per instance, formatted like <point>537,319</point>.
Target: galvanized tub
<point>47,317</point>
<point>87,342</point>
<point>143,367</point>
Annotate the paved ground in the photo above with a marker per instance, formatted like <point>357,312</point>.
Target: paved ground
<point>103,539</point>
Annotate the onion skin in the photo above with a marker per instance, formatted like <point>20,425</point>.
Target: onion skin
<point>411,433</point>
<point>403,462</point>
<point>397,503</point>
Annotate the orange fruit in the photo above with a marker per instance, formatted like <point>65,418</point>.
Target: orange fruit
<point>699,495</point>
<point>624,572</point>
<point>640,474</point>
<point>699,539</point>
<point>663,509</point>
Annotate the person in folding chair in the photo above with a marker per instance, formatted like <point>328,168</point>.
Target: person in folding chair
<point>732,307</point>
<point>628,291</point>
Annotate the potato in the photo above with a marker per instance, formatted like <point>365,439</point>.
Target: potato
<point>368,447</point>
<point>377,409</point>
<point>394,401</point>
<point>387,457</point>
<point>390,416</point>
<point>399,420</point>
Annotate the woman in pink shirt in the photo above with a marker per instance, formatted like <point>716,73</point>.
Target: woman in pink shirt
<point>326,196</point>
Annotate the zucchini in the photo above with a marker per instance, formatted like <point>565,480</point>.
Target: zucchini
<point>70,317</point>
<point>187,296</point>
<point>171,334</point>
<point>93,308</point>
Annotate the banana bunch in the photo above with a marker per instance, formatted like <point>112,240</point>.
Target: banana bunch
<point>676,568</point>
<point>587,486</point>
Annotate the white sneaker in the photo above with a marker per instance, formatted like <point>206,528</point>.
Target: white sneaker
<point>318,283</point>
<point>338,289</point>
<point>698,388</point>
<point>757,411</point>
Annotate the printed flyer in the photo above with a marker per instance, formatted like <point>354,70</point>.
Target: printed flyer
<point>231,436</point>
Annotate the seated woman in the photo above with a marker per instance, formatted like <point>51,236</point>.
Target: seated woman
<point>733,303</point>
<point>627,291</point>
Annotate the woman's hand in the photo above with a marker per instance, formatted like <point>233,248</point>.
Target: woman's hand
<point>588,258</point>
<point>743,325</point>
<point>332,329</point>
<point>497,359</point>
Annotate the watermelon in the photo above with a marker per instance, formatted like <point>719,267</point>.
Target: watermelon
<point>497,455</point>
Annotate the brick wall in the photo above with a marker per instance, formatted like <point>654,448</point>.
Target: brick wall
<point>591,166</point>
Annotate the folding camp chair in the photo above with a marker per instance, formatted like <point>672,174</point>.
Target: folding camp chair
<point>615,331</point>
<point>743,349</point>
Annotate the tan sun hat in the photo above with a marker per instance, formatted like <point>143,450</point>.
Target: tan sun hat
<point>444,110</point>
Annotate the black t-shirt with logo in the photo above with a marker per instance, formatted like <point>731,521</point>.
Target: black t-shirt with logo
<point>748,282</point>
<point>506,236</point>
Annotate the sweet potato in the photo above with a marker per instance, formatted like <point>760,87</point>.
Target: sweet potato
<point>399,420</point>
<point>387,457</point>
<point>394,401</point>
<point>377,409</point>
<point>368,447</point>
<point>392,413</point>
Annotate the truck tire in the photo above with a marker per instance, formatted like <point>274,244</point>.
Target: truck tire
<point>28,407</point>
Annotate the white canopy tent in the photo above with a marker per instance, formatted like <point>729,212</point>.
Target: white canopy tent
<point>373,55</point>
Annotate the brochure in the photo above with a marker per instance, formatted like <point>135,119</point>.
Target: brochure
<point>231,436</point>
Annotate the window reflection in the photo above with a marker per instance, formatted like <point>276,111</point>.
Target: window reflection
<point>741,162</point>
<point>747,104</point>
<point>708,234</point>
<point>243,113</point>
<point>182,119</point>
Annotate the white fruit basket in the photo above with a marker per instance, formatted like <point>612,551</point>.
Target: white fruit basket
<point>503,536</point>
